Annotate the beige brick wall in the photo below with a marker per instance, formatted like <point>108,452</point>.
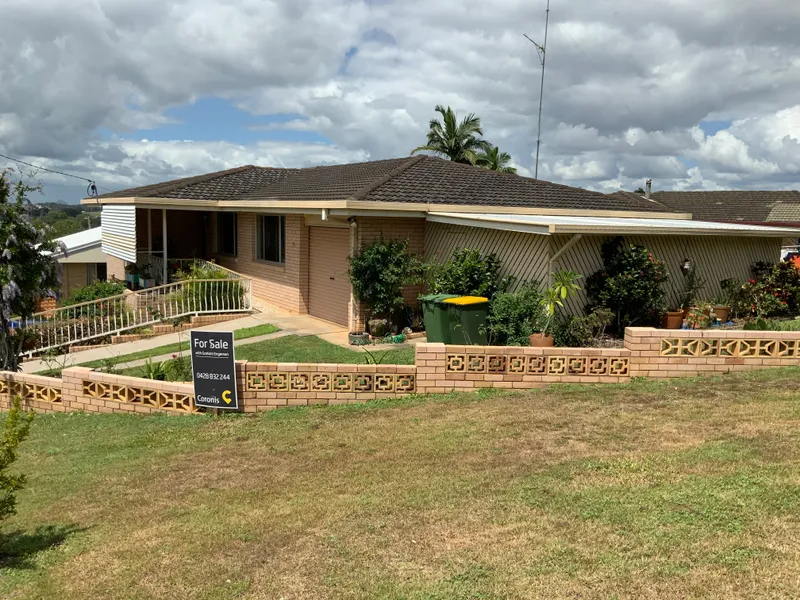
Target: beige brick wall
<point>390,228</point>
<point>73,276</point>
<point>115,268</point>
<point>653,353</point>
<point>442,369</point>
<point>664,353</point>
<point>285,286</point>
<point>266,386</point>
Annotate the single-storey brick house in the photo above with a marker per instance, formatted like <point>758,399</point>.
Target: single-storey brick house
<point>292,230</point>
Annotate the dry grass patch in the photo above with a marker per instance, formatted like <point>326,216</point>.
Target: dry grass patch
<point>649,490</point>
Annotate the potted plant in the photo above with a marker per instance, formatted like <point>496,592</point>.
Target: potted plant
<point>132,274</point>
<point>150,272</point>
<point>562,288</point>
<point>378,327</point>
<point>692,284</point>
<point>701,316</point>
<point>722,306</point>
<point>358,338</point>
<point>673,319</point>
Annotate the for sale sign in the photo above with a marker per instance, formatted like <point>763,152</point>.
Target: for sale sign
<point>214,369</point>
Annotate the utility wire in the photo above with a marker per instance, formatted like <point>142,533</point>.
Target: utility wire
<point>91,190</point>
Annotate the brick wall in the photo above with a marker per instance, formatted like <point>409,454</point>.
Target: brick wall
<point>265,386</point>
<point>81,389</point>
<point>74,276</point>
<point>648,352</point>
<point>115,268</point>
<point>285,286</point>
<point>390,228</point>
<point>663,353</point>
<point>443,368</point>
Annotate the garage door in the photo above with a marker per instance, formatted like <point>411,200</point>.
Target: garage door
<point>328,284</point>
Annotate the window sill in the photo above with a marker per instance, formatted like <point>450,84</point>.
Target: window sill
<point>270,263</point>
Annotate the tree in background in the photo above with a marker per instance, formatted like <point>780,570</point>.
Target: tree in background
<point>494,160</point>
<point>27,272</point>
<point>460,142</point>
<point>15,429</point>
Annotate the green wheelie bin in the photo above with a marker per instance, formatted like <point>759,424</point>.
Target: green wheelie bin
<point>434,313</point>
<point>467,320</point>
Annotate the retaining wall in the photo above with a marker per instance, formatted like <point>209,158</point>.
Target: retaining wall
<point>654,353</point>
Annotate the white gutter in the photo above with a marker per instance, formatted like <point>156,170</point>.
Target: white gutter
<point>487,224</point>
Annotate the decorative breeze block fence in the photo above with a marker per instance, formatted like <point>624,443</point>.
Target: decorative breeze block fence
<point>648,352</point>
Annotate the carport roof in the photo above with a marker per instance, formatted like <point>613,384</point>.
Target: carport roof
<point>552,225</point>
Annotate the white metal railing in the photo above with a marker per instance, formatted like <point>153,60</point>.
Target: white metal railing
<point>110,316</point>
<point>154,266</point>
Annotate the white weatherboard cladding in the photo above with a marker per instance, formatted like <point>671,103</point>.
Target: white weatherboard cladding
<point>119,231</point>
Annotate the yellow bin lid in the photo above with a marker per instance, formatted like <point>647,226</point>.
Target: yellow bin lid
<point>466,300</point>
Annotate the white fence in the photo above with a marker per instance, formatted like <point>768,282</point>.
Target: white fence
<point>152,266</point>
<point>110,316</point>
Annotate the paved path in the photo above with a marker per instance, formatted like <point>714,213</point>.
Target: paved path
<point>289,324</point>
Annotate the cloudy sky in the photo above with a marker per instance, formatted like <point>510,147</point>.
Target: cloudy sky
<point>126,92</point>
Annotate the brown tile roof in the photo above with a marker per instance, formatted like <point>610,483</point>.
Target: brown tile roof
<point>735,206</point>
<point>419,179</point>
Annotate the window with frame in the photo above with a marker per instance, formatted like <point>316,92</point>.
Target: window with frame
<point>226,233</point>
<point>271,239</point>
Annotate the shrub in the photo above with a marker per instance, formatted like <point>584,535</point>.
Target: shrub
<point>515,316</point>
<point>153,370</point>
<point>630,285</point>
<point>378,274</point>
<point>783,279</point>
<point>584,332</point>
<point>95,291</point>
<point>469,273</point>
<point>761,299</point>
<point>15,430</point>
<point>179,368</point>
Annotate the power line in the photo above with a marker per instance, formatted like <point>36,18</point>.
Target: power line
<point>91,190</point>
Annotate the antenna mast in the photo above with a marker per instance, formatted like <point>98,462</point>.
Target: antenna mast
<point>542,51</point>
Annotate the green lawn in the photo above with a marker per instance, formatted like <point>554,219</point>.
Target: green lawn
<point>311,349</point>
<point>238,334</point>
<point>666,490</point>
<point>308,349</point>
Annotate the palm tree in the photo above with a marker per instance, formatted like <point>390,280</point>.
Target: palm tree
<point>457,141</point>
<point>494,160</point>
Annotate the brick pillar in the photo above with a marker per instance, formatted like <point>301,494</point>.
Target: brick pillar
<point>72,388</point>
<point>431,361</point>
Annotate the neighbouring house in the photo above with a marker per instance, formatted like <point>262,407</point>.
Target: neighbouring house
<point>292,230</point>
<point>776,208</point>
<point>82,260</point>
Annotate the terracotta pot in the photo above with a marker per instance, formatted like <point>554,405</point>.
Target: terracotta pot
<point>673,319</point>
<point>538,340</point>
<point>723,313</point>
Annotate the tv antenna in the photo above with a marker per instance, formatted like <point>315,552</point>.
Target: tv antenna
<point>542,52</point>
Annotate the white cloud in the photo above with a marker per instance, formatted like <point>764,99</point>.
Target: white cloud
<point>627,83</point>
